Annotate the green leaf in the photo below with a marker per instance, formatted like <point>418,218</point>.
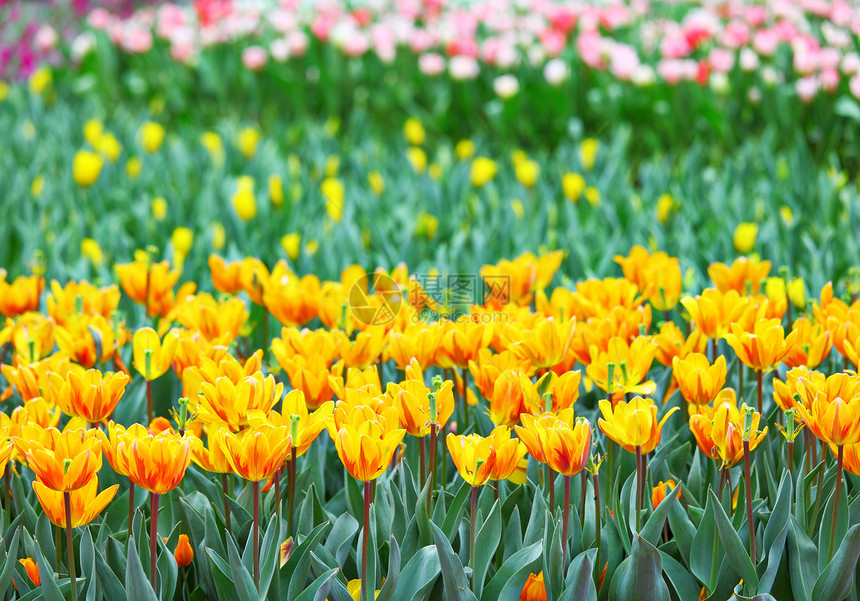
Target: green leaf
<point>319,588</point>
<point>270,553</point>
<point>774,559</point>
<point>826,531</point>
<point>10,562</point>
<point>553,568</point>
<point>111,586</point>
<point>682,529</point>
<point>514,572</point>
<point>579,583</point>
<point>453,574</point>
<point>221,576</point>
<point>294,573</point>
<point>489,536</point>
<point>707,552</point>
<point>653,528</point>
<point>419,575</point>
<point>393,572</point>
<point>137,585</point>
<point>737,554</point>
<point>241,578</point>
<point>781,511</point>
<point>167,570</point>
<point>455,510</point>
<point>837,579</point>
<point>342,534</point>
<point>639,577</point>
<point>802,561</point>
<point>686,587</point>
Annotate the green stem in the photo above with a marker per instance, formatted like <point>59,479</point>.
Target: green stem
<point>748,495</point>
<point>256,493</point>
<point>153,539</point>
<point>472,534</point>
<point>422,461</point>
<point>226,504</point>
<point>597,527</point>
<point>67,500</point>
<point>291,490</point>
<point>364,541</point>
<point>836,501</point>
<point>130,508</point>
<point>432,465</point>
<point>758,375</point>
<point>466,416</point>
<point>149,401</point>
<point>639,486</point>
<point>564,519</point>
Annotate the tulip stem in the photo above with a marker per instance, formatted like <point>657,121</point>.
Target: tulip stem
<point>226,503</point>
<point>466,418</point>
<point>597,523</point>
<point>291,490</point>
<point>433,429</point>
<point>748,491</point>
<point>640,481</point>
<point>758,375</point>
<point>721,481</point>
<point>67,500</point>
<point>7,484</point>
<point>256,492</point>
<point>835,501</point>
<point>713,350</point>
<point>148,401</point>
<point>265,327</point>
<point>565,517</point>
<point>364,539</point>
<point>58,548</point>
<point>583,482</point>
<point>153,538</point>
<point>277,483</point>
<point>130,508</point>
<point>422,461</point>
<point>550,482</point>
<point>472,534</point>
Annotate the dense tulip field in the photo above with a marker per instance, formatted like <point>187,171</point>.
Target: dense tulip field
<point>423,300</point>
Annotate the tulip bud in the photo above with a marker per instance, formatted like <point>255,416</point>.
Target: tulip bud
<point>431,396</point>
<point>437,383</point>
<point>182,416</point>
<point>294,429</point>
<point>789,426</point>
<point>610,377</point>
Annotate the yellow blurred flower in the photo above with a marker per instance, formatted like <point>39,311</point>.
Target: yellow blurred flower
<point>465,149</point>
<point>109,147</point>
<point>92,251</point>
<point>527,172</point>
<point>37,186</point>
<point>133,167</point>
<point>414,132</point>
<point>291,244</point>
<point>244,201</point>
<point>159,208</point>
<point>151,136</point>
<point>744,237</point>
<point>333,191</point>
<point>483,170</point>
<point>787,215</point>
<point>592,195</point>
<point>573,185</point>
<point>219,236</point>
<point>588,152</point>
<point>426,225</point>
<point>417,158</point>
<point>377,184</point>
<point>93,130</point>
<point>86,167</point>
<point>312,247</point>
<point>332,164</point>
<point>211,141</point>
<point>435,171</point>
<point>40,80</point>
<point>665,207</point>
<point>181,240</point>
<point>276,190</point>
<point>247,141</point>
<point>4,90</point>
<point>518,208</point>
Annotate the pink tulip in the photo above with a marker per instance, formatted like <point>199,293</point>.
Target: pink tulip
<point>254,57</point>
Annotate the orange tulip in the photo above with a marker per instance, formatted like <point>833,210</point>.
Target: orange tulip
<point>324,344</point>
<point>310,375</point>
<point>534,588</point>
<point>31,381</point>
<point>727,432</point>
<point>154,462</point>
<point>62,461</point>
<point>81,297</point>
<point>832,410</point>
<point>513,394</point>
<point>474,457</point>
<point>7,448</point>
<point>713,311</point>
<point>87,339</point>
<point>659,492</point>
<point>293,301</point>
<point>226,277</point>
<point>214,319</point>
<point>192,350</point>
<point>151,285</point>
<point>462,342</point>
<point>546,344</point>
<point>84,502</point>
<point>90,396</point>
<point>631,364</point>
<point>365,349</point>
<point>365,440</point>
<point>657,276</point>
<point>152,358</point>
<point>744,275</point>
<point>488,366</point>
<point>671,343</point>
<point>762,348</point>
<point>32,570</point>
<point>411,398</point>
<point>509,453</point>
<point>32,337</point>
<point>698,380</point>
<point>633,424</point>
<point>228,404</point>
<point>419,342</point>
<point>812,346</point>
<point>20,295</point>
<point>308,425</point>
<point>257,452</point>
<point>183,553</point>
<point>559,440</point>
